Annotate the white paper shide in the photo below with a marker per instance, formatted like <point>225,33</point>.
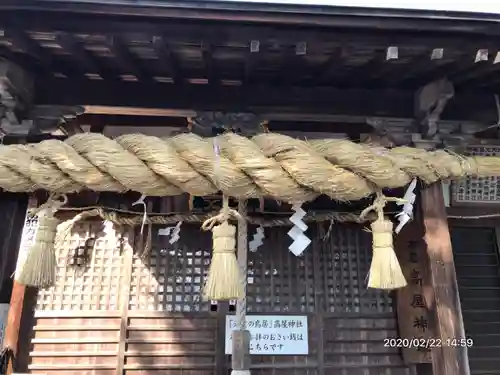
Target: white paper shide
<point>300,240</point>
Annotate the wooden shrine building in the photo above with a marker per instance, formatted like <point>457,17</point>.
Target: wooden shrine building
<point>159,68</point>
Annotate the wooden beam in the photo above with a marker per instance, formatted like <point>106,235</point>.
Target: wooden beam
<point>20,39</point>
<point>166,57</point>
<point>418,66</point>
<point>293,61</point>
<point>251,60</point>
<point>223,98</point>
<point>207,50</point>
<point>461,63</point>
<point>451,358</point>
<point>137,121</point>
<point>161,20</point>
<point>358,75</point>
<point>90,62</point>
<point>479,74</point>
<point>272,13</point>
<point>331,66</point>
<point>473,106</point>
<point>129,62</point>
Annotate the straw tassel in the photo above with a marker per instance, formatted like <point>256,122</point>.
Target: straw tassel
<point>385,270</point>
<point>223,282</point>
<point>39,268</point>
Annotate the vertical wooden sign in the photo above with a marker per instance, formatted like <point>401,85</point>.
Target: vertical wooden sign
<point>415,333</point>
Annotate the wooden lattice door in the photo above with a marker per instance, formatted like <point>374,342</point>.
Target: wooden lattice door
<point>79,321</point>
<point>170,328</point>
<point>123,314</point>
<point>347,321</point>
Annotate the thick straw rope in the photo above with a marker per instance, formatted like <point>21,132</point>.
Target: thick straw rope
<point>268,164</point>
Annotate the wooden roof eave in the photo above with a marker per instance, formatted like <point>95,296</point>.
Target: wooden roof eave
<point>293,14</point>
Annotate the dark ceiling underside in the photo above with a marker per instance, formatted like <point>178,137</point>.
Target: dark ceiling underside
<point>202,52</point>
<point>99,59</point>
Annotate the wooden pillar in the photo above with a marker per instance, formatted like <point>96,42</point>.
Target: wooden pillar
<point>451,358</point>
<point>240,358</point>
<point>412,300</point>
<point>14,321</point>
<point>17,87</point>
<point>13,206</point>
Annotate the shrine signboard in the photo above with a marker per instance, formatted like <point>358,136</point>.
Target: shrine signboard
<point>272,334</point>
<point>28,235</point>
<point>415,332</point>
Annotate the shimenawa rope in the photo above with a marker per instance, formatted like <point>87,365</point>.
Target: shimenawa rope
<point>268,164</point>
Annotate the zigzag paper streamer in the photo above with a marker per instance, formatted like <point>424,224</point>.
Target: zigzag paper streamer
<point>257,240</point>
<point>173,232</point>
<point>300,240</point>
<point>176,233</point>
<point>407,212</point>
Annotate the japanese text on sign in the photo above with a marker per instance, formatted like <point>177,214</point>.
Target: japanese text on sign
<point>27,239</point>
<point>272,334</point>
<point>412,307</point>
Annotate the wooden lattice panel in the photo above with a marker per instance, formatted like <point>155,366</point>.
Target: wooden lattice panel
<point>97,285</point>
<point>171,277</point>
<point>329,276</point>
<point>474,189</point>
<point>345,256</point>
<point>278,281</point>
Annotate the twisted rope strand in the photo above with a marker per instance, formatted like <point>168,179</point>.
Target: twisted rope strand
<point>131,218</point>
<point>268,164</point>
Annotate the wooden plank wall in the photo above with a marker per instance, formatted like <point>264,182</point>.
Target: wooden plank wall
<point>75,343</point>
<point>477,262</point>
<point>123,314</point>
<point>175,343</point>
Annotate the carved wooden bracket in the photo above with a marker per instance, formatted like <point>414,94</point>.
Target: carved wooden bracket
<point>213,123</point>
<point>430,102</point>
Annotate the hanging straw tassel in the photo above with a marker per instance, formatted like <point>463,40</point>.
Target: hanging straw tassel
<point>39,268</point>
<point>385,270</point>
<point>223,282</point>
